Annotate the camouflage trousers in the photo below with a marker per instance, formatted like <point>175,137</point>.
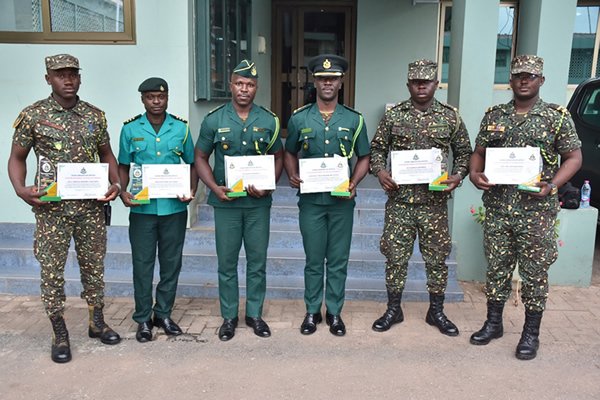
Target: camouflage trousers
<point>51,246</point>
<point>403,221</point>
<point>526,239</point>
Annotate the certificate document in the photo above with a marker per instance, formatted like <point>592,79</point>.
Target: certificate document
<point>82,180</point>
<point>512,165</point>
<point>323,174</point>
<point>416,166</point>
<point>166,181</point>
<point>250,170</point>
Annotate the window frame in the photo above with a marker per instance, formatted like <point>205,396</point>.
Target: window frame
<point>47,36</point>
<point>596,52</point>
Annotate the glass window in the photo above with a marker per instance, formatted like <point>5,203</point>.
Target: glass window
<point>505,45</point>
<point>66,21</point>
<point>584,50</point>
<point>222,41</point>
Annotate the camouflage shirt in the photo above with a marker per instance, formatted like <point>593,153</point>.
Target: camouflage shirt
<point>63,135</point>
<point>403,127</point>
<point>547,126</point>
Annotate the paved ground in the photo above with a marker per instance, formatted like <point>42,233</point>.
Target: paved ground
<point>411,361</point>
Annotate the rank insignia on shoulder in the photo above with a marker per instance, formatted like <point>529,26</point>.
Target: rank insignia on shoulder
<point>496,128</point>
<point>18,120</point>
<point>131,119</point>
<point>179,118</point>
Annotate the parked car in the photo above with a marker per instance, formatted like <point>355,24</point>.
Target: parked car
<point>585,109</point>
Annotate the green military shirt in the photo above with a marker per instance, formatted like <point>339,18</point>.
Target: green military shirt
<point>139,143</point>
<point>547,126</point>
<point>63,136</point>
<point>345,134</point>
<point>224,132</point>
<point>403,127</point>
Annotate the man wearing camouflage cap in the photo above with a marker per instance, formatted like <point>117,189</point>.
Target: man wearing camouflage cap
<point>156,137</point>
<point>240,128</point>
<point>519,225</point>
<point>419,123</point>
<point>64,129</point>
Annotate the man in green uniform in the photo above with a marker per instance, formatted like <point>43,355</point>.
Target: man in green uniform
<point>64,129</point>
<point>156,137</point>
<point>326,129</point>
<point>519,225</point>
<point>240,128</point>
<point>419,123</point>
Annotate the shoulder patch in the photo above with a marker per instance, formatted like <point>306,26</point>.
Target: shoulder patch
<point>178,118</point>
<point>132,119</point>
<point>269,111</point>
<point>215,109</point>
<point>351,109</point>
<point>304,107</point>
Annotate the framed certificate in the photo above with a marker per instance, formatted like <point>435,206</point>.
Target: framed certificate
<point>82,180</point>
<point>166,181</point>
<point>512,165</point>
<point>250,170</point>
<point>328,174</point>
<point>416,166</point>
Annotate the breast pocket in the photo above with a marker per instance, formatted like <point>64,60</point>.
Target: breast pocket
<point>344,136</point>
<point>307,141</point>
<point>261,140</point>
<point>224,142</point>
<point>440,135</point>
<point>176,146</point>
<point>137,147</point>
<point>401,137</point>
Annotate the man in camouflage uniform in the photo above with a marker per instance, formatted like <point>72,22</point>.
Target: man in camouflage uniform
<point>65,129</point>
<point>519,225</point>
<point>419,123</point>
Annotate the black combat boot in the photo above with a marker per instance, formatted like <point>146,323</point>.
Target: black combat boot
<point>61,349</point>
<point>393,314</point>
<point>529,343</point>
<point>99,329</point>
<point>436,317</point>
<point>492,327</point>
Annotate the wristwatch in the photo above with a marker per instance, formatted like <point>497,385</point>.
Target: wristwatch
<point>553,188</point>
<point>118,185</point>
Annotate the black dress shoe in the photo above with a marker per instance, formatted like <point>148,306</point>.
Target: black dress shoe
<point>170,327</point>
<point>144,332</point>
<point>259,326</point>
<point>336,325</point>
<point>309,325</point>
<point>227,330</point>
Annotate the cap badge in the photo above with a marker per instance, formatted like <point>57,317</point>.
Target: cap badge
<point>162,88</point>
<point>326,64</point>
<point>253,71</point>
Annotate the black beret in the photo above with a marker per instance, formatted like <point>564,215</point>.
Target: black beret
<point>154,85</point>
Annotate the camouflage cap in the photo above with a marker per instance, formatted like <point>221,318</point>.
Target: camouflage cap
<point>423,70</point>
<point>327,65</point>
<point>527,63</point>
<point>247,69</point>
<point>153,85</point>
<point>61,61</point>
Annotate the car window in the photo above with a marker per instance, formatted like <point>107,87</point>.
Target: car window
<point>590,107</point>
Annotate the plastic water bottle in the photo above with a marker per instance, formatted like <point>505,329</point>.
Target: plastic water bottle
<point>586,192</point>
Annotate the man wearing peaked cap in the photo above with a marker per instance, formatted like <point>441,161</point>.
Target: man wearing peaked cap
<point>326,129</point>
<point>156,137</point>
<point>240,128</point>
<point>420,123</point>
<point>520,220</point>
<point>53,127</point>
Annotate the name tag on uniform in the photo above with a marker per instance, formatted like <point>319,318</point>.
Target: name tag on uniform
<point>496,128</point>
<point>224,130</point>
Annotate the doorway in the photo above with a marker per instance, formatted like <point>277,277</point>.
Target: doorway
<point>301,30</point>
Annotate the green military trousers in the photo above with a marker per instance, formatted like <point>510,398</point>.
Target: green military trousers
<point>146,233</point>
<point>326,236</point>
<point>232,226</point>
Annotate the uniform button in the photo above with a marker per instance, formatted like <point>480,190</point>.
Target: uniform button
<point>244,143</point>
<point>158,153</point>
<point>326,128</point>
<point>305,137</point>
<point>261,139</point>
<point>244,129</point>
<point>326,154</point>
<point>223,138</point>
<point>158,139</point>
<point>345,137</point>
<point>326,141</point>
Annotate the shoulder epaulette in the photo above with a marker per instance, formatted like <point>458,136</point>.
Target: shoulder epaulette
<point>269,111</point>
<point>402,104</point>
<point>178,118</point>
<point>557,107</point>
<point>496,107</point>
<point>215,109</point>
<point>131,119</point>
<point>448,106</point>
<point>351,109</point>
<point>93,107</point>
<point>304,107</point>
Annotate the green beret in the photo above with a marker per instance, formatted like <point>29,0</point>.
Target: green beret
<point>61,61</point>
<point>425,70</point>
<point>247,69</point>
<point>327,65</point>
<point>527,63</point>
<point>154,85</point>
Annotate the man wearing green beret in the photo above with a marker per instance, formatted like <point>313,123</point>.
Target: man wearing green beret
<point>519,225</point>
<point>420,123</point>
<point>240,128</point>
<point>326,129</point>
<point>64,129</point>
<point>156,137</point>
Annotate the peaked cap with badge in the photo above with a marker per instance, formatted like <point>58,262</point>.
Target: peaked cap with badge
<point>327,65</point>
<point>153,85</point>
<point>247,69</point>
<point>527,63</point>
<point>60,61</point>
<point>423,70</point>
